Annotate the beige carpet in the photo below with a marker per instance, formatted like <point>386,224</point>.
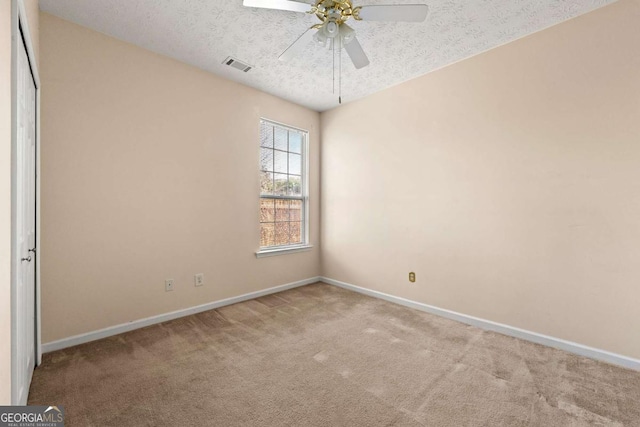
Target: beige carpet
<point>323,356</point>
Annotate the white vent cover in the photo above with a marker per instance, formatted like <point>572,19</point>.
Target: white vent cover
<point>237,64</point>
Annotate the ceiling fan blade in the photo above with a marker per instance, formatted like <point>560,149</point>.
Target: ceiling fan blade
<point>394,12</point>
<point>357,55</point>
<point>293,6</point>
<point>297,46</point>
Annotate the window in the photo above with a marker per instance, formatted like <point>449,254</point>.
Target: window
<point>283,188</point>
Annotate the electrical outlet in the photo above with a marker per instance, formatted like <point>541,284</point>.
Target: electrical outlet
<point>168,285</point>
<point>412,277</point>
<point>199,279</point>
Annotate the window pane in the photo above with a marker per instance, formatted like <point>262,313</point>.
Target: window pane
<point>295,164</point>
<point>267,210</point>
<point>295,142</point>
<point>295,232</point>
<point>280,139</point>
<point>267,234</point>
<point>266,135</point>
<point>266,159</point>
<point>282,233</point>
<point>266,183</point>
<point>280,184</point>
<point>282,210</point>
<point>282,171</point>
<point>280,162</point>
<point>295,212</point>
<point>295,186</point>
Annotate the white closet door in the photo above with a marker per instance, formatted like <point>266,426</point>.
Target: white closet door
<point>25,228</point>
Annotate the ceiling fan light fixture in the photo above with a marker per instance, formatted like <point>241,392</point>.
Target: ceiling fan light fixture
<point>331,29</point>
<point>326,33</point>
<point>347,34</point>
<point>320,38</point>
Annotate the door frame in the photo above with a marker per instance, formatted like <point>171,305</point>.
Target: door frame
<point>19,21</point>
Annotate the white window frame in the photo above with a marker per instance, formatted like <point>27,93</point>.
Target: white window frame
<point>305,245</point>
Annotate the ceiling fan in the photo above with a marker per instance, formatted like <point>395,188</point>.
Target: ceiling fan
<point>334,14</point>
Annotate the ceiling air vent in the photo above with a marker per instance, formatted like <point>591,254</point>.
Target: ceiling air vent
<point>237,64</point>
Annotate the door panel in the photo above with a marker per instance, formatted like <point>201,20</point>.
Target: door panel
<point>25,227</point>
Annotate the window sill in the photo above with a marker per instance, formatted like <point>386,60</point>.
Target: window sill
<point>281,251</point>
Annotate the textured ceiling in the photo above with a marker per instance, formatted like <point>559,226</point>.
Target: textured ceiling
<point>204,32</point>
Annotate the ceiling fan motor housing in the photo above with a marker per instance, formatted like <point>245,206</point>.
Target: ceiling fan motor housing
<point>335,10</point>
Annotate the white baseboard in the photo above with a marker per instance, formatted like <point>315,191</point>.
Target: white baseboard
<point>535,337</point>
<point>571,347</point>
<point>141,323</point>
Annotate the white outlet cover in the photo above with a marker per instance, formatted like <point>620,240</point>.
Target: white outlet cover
<point>168,285</point>
<point>199,279</point>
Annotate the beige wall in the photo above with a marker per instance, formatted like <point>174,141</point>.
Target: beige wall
<point>31,7</point>
<point>150,171</point>
<point>508,182</point>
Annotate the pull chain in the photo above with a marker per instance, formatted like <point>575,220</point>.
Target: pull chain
<point>340,72</point>
<point>333,67</point>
